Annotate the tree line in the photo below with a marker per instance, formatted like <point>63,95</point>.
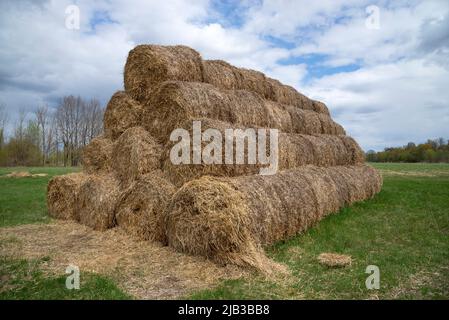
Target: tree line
<point>436,150</point>
<point>50,136</point>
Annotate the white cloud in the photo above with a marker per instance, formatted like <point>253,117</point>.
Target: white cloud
<point>396,95</point>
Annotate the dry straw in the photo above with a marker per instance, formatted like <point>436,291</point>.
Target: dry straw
<point>135,153</point>
<point>97,199</point>
<point>223,218</point>
<point>141,206</point>
<point>294,150</point>
<point>96,156</point>
<point>149,65</point>
<point>122,112</point>
<point>334,259</point>
<point>175,102</point>
<point>62,195</point>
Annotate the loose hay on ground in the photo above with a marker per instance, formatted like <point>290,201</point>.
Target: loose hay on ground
<point>334,259</point>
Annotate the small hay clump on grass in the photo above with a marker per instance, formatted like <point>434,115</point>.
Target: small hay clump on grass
<point>97,199</point>
<point>122,112</point>
<point>334,260</point>
<point>62,195</point>
<point>220,218</point>
<point>141,206</point>
<point>149,65</point>
<point>19,174</point>
<point>135,153</point>
<point>96,156</point>
<point>175,102</point>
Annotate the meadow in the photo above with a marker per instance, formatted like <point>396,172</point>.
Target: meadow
<point>404,231</point>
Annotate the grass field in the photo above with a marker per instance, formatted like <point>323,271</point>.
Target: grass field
<point>404,231</point>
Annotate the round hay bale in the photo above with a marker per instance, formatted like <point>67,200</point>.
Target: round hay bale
<point>97,199</point>
<point>96,156</point>
<point>122,112</point>
<point>220,218</point>
<point>175,102</point>
<point>294,150</point>
<point>62,195</point>
<point>221,74</point>
<point>320,107</point>
<point>225,76</point>
<point>209,218</point>
<point>149,65</point>
<point>135,153</point>
<point>141,206</point>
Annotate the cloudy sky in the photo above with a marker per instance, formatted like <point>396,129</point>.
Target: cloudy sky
<point>382,67</point>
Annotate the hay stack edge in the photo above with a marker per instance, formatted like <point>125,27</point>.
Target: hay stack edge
<point>226,213</point>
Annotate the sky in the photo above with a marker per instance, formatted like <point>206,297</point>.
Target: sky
<point>382,67</point>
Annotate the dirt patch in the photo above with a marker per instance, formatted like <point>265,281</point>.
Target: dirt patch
<point>143,269</point>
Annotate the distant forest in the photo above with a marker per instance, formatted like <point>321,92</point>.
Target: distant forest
<point>436,150</point>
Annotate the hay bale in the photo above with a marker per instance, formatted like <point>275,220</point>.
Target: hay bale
<point>334,260</point>
<point>97,200</point>
<point>149,65</point>
<point>62,195</point>
<point>220,218</point>
<point>135,153</point>
<point>96,156</point>
<point>141,206</point>
<point>295,150</point>
<point>221,74</point>
<point>225,76</point>
<point>175,102</point>
<point>320,107</point>
<point>122,112</point>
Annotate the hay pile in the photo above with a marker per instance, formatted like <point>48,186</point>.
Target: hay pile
<point>224,211</point>
<point>174,102</point>
<point>149,65</point>
<point>221,218</point>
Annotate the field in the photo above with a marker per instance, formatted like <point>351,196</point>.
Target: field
<point>404,231</point>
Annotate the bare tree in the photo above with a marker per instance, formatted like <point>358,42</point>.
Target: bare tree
<point>42,121</point>
<point>3,121</point>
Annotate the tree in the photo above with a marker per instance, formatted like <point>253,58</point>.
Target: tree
<point>42,121</point>
<point>3,121</point>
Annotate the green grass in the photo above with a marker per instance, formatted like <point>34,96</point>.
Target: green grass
<point>22,279</point>
<point>22,200</point>
<point>404,230</point>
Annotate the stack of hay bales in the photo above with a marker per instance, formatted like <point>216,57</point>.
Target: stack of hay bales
<point>225,212</point>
